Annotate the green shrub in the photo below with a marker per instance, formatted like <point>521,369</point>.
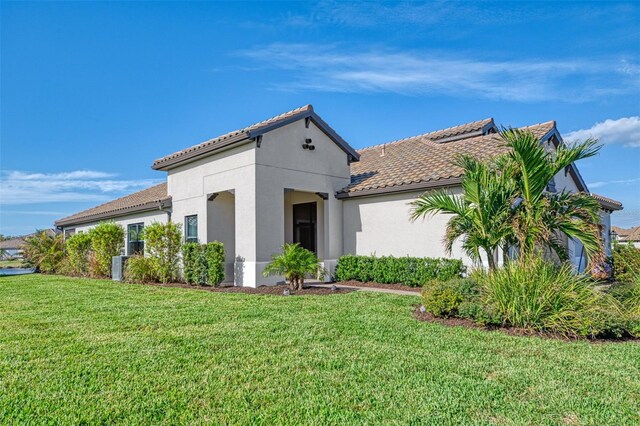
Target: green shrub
<point>140,269</point>
<point>444,298</point>
<point>162,243</point>
<point>78,248</point>
<point>626,262</point>
<point>45,252</point>
<point>541,296</point>
<point>203,263</point>
<point>107,240</point>
<point>410,271</point>
<point>628,295</point>
<point>482,314</point>
<point>194,263</point>
<point>214,254</point>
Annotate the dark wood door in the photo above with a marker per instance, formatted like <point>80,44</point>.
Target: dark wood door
<point>304,225</point>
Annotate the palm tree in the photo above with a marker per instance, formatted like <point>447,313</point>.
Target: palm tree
<point>542,216</point>
<point>294,263</point>
<point>44,251</point>
<point>480,214</point>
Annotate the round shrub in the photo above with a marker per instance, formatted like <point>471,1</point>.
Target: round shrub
<point>445,298</point>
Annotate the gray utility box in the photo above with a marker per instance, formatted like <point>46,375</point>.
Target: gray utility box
<point>117,267</point>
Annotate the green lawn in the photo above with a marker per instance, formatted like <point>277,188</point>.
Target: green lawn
<point>96,352</point>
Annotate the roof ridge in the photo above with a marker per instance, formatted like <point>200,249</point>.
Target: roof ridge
<point>425,134</point>
<point>112,201</point>
<point>552,122</point>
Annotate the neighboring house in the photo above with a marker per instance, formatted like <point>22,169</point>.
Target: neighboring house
<point>292,178</point>
<point>626,236</point>
<point>13,247</point>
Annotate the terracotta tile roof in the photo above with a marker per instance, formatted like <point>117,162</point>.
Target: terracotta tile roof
<point>236,135</point>
<point>607,203</point>
<point>631,234</point>
<point>427,158</point>
<point>634,235</point>
<point>147,199</point>
<point>19,242</point>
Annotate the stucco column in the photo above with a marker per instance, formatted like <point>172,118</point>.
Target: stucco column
<point>332,234</point>
<point>245,235</point>
<point>269,226</point>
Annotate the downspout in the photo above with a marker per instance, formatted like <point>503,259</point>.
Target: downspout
<point>163,209</point>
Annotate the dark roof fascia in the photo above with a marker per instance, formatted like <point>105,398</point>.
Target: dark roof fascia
<point>431,184</point>
<point>253,134</point>
<point>197,153</point>
<point>151,206</point>
<point>322,125</point>
<point>318,121</point>
<point>573,170</point>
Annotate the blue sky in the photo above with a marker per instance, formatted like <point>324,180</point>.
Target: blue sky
<point>91,93</point>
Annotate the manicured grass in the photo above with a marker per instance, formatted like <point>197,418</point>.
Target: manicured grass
<point>88,351</point>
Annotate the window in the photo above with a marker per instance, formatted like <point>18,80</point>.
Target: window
<point>191,229</point>
<point>134,235</point>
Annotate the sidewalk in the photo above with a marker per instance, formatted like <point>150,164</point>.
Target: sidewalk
<point>375,290</point>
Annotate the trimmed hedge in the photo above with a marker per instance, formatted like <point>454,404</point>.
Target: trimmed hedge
<point>410,271</point>
<point>203,263</point>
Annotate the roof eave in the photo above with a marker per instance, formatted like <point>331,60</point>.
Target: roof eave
<point>410,187</point>
<point>165,165</point>
<point>150,206</point>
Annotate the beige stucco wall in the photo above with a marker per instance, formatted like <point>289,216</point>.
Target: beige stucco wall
<point>146,218</point>
<point>382,225</point>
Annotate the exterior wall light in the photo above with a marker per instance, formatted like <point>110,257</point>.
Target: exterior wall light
<point>307,145</point>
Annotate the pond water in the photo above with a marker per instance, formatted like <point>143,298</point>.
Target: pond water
<point>16,271</point>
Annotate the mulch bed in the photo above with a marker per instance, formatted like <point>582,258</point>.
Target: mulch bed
<point>512,331</point>
<point>277,290</point>
<point>378,285</point>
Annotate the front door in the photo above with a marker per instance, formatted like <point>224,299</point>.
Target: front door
<point>304,225</point>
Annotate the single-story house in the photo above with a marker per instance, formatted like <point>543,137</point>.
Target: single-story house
<point>13,247</point>
<point>626,236</point>
<point>292,178</point>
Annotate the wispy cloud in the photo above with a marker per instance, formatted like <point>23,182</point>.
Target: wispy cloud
<point>33,212</point>
<point>613,182</point>
<point>625,131</point>
<point>334,69</point>
<point>20,187</point>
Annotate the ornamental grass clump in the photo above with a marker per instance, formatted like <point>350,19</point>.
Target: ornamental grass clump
<point>541,296</point>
